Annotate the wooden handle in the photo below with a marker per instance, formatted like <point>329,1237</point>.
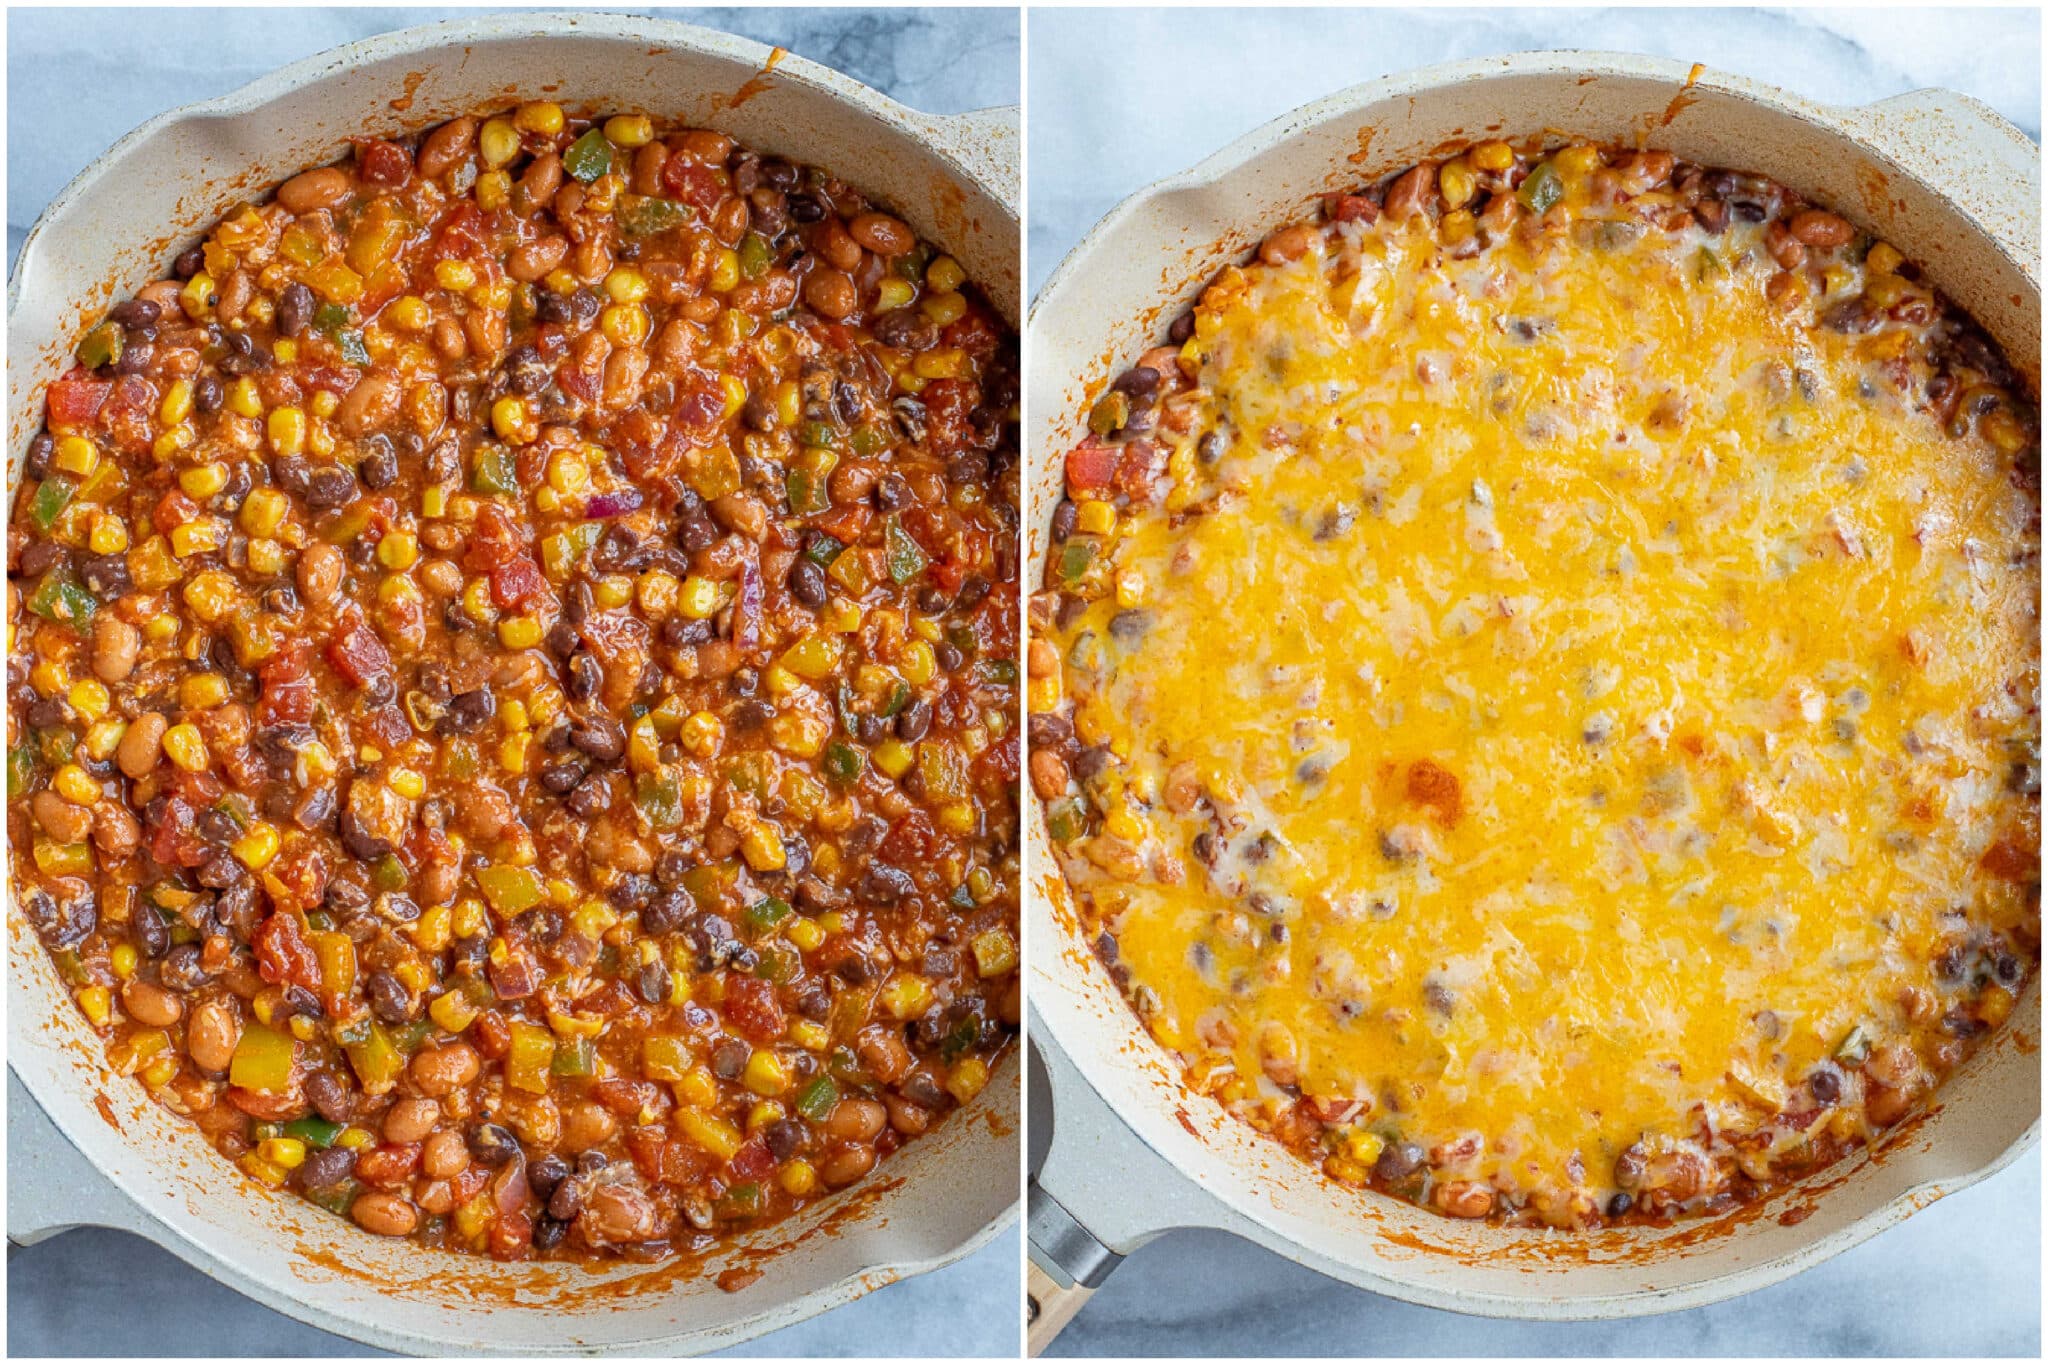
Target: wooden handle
<point>1050,1308</point>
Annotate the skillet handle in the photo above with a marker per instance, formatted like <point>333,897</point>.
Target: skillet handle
<point>1067,1264</point>
<point>1050,1307</point>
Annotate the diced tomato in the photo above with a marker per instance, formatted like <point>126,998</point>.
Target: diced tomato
<point>358,655</point>
<point>173,510</point>
<point>384,164</point>
<point>948,404</point>
<point>511,1237</point>
<point>752,1009</point>
<point>329,378</point>
<point>129,414</point>
<point>845,523</point>
<point>298,879</point>
<point>517,977</point>
<point>702,405</point>
<point>997,765</point>
<point>972,333</point>
<point>77,402</point>
<point>577,383</point>
<point>1090,465</point>
<point>461,233</point>
<point>282,953</point>
<point>752,1161</point>
<point>909,841</point>
<point>835,336</point>
<point>287,685</point>
<point>693,182</point>
<point>516,582</point>
<point>173,840</point>
<point>495,540</point>
<point>1138,471</point>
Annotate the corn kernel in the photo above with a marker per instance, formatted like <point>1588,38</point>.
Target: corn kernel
<point>1456,182</point>
<point>968,1078</point>
<point>698,599</point>
<point>1883,259</point>
<point>197,297</point>
<point>906,996</point>
<point>284,350</point>
<point>75,785</point>
<point>799,1178</point>
<point>243,399</point>
<point>765,1073</point>
<point>98,1004</point>
<point>177,403</point>
<point>211,595</point>
<point>538,116</point>
<point>1492,156</point>
<point>512,753</point>
<point>124,959</point>
<point>629,130</point>
<point>892,293</point>
<point>454,275</point>
<point>76,455</point>
<point>943,310</point>
<point>187,748</point>
<point>453,1011</point>
<point>519,632</point>
<point>1095,517</point>
<point>410,314</point>
<point>494,190</point>
<point>203,481</point>
<point>398,550</point>
<point>625,285</point>
<point>287,430</point>
<point>257,846</point>
<point>624,324</point>
<point>656,592</point>
<point>289,1153</point>
<point>89,698</point>
<point>725,271</point>
<point>263,511</point>
<point>109,534</point>
<point>1130,588</point>
<point>567,472</point>
<point>893,757</point>
<point>918,663</point>
<point>324,403</point>
<point>762,847</point>
<point>202,691</point>
<point>944,274</point>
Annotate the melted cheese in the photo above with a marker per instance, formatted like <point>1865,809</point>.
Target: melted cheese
<point>1593,685</point>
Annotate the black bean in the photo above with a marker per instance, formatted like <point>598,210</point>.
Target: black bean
<point>586,678</point>
<point>666,912</point>
<point>188,262</point>
<point>1064,518</point>
<point>183,969</point>
<point>886,884</point>
<point>390,1001</point>
<point>807,583</point>
<point>563,777</point>
<point>1825,1082</point>
<point>566,1202</point>
<point>379,467</point>
<point>135,313</point>
<point>360,843</point>
<point>805,208</point>
<point>325,1168</point>
<point>208,394</point>
<point>295,309</point>
<point>1183,327</point>
<point>592,798</point>
<point>603,738</point>
<point>1398,1161</point>
<point>545,1173</point>
<point>654,982</point>
<point>40,452</point>
<point>493,1144</point>
<point>729,1058</point>
<point>468,711</point>
<point>949,656</point>
<point>785,1138</point>
<point>914,720</point>
<point>1621,1202</point>
<point>332,1097</point>
<point>331,486</point>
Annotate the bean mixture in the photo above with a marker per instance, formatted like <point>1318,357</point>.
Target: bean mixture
<point>511,707</point>
<point>1536,686</point>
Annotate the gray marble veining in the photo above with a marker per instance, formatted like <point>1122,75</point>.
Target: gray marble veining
<point>1120,98</point>
<point>106,1293</point>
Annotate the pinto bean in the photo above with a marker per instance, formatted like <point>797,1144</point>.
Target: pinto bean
<point>316,189</point>
<point>142,744</point>
<point>115,647</point>
<point>1818,227</point>
<point>387,1215</point>
<point>212,1034</point>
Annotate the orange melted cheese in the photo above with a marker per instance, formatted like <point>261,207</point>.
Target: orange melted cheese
<point>1594,688</point>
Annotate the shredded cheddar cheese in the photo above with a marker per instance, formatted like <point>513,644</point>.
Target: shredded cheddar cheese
<point>1550,703</point>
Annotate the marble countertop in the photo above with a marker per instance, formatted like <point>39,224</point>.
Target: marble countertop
<point>98,1292</point>
<point>1120,98</point>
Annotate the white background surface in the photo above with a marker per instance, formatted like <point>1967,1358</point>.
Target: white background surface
<point>1119,99</point>
<point>79,79</point>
